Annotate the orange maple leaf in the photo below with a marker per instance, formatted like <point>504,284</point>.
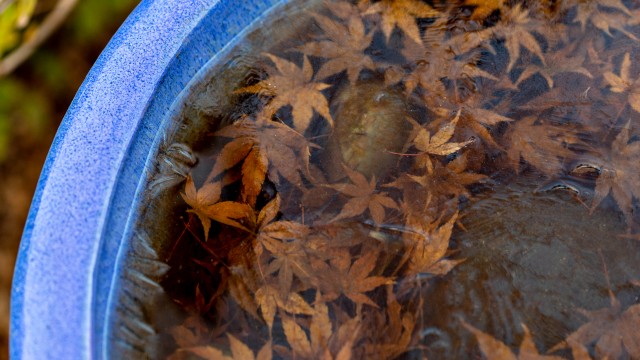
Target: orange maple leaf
<point>604,20</point>
<point>345,47</point>
<point>619,174</point>
<point>428,246</point>
<point>239,350</point>
<point>439,143</point>
<point>363,196</point>
<point>289,84</point>
<point>324,340</point>
<point>401,13</point>
<point>350,279</point>
<point>205,204</point>
<point>494,349</point>
<point>624,83</point>
<point>259,141</point>
<point>537,144</point>
<point>613,331</point>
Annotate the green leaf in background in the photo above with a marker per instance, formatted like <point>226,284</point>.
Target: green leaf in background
<point>14,17</point>
<point>25,11</point>
<point>9,36</point>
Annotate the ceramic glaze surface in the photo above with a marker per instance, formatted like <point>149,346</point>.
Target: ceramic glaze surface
<point>75,228</point>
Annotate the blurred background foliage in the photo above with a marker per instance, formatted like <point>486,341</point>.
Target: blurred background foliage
<point>57,41</point>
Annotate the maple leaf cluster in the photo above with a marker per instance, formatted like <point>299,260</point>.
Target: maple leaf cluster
<point>300,250</point>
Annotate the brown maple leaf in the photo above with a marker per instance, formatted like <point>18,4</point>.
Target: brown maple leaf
<point>285,244</point>
<point>429,59</point>
<point>515,27</point>
<point>495,349</point>
<point>324,340</point>
<point>289,84</point>
<point>390,331</point>
<point>239,350</point>
<point>427,246</point>
<point>270,299</point>
<point>439,144</point>
<point>364,196</point>
<point>612,331</point>
<point>257,141</point>
<point>624,83</point>
<point>205,204</point>
<point>350,279</point>
<point>604,20</point>
<point>538,145</point>
<point>191,333</point>
<point>344,48</point>
<point>619,171</point>
<point>477,113</point>
<point>442,182</point>
<point>433,60</point>
<point>484,8</point>
<point>555,63</point>
<point>401,13</point>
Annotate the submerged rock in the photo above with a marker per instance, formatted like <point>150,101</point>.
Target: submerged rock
<point>533,258</point>
<point>370,122</point>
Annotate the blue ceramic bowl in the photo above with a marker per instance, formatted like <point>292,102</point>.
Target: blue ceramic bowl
<point>86,198</point>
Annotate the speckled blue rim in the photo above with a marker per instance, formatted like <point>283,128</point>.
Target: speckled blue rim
<point>83,199</point>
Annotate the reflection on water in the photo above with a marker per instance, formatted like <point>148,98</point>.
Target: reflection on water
<point>399,179</point>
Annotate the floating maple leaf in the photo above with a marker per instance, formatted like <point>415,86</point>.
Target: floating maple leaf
<point>289,84</point>
<point>555,63</point>
<point>428,246</point>
<point>444,181</point>
<point>269,299</point>
<point>285,242</point>
<point>204,203</point>
<point>239,350</point>
<point>591,11</point>
<point>433,61</point>
<point>538,145</point>
<point>322,341</point>
<point>344,47</point>
<point>350,279</point>
<point>473,113</point>
<point>484,8</point>
<point>257,141</point>
<point>494,349</point>
<point>619,173</point>
<point>193,332</point>
<point>624,83</point>
<point>401,13</point>
<point>515,27</point>
<point>391,329</point>
<point>363,196</point>
<point>438,144</point>
<point>613,331</point>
